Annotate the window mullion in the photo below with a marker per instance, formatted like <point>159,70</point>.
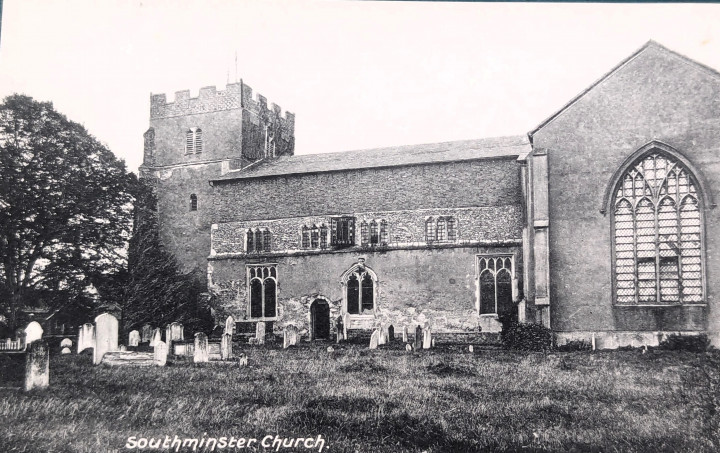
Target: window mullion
<point>658,299</point>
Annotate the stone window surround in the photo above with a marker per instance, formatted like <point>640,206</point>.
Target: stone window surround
<point>450,229</point>
<point>248,280</point>
<point>193,141</point>
<point>359,269</point>
<point>265,241</point>
<point>513,280</point>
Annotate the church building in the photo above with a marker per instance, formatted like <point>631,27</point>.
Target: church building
<point>599,223</point>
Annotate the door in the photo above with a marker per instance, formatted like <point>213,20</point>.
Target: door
<point>320,320</point>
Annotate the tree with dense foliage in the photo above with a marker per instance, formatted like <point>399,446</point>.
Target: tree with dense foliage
<point>157,292</point>
<point>65,210</point>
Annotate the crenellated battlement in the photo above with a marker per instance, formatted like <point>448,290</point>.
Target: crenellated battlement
<point>209,99</point>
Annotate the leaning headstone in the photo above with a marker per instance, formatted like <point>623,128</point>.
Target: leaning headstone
<point>160,353</point>
<point>65,351</point>
<point>405,334</point>
<point>146,333</point>
<point>174,332</point>
<point>391,333</point>
<point>243,360</point>
<point>106,336</point>
<point>427,339</point>
<point>86,337</point>
<point>230,325</point>
<point>157,336</point>
<point>66,343</point>
<point>37,365</point>
<point>408,347</point>
<point>134,338</point>
<point>201,348</point>
<point>290,336</point>
<point>374,338</point>
<point>260,333</point>
<point>418,338</point>
<point>226,347</point>
<point>33,332</point>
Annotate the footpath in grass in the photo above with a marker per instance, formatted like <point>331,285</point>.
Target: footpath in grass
<point>385,400</point>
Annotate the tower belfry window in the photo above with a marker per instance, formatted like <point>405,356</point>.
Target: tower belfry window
<point>193,141</point>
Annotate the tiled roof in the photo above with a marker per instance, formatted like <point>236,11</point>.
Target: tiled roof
<point>486,148</point>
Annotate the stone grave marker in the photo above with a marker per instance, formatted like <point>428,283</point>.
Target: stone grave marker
<point>226,347</point>
<point>134,338</point>
<point>37,365</point>
<point>65,351</point>
<point>408,347</point>
<point>160,353</point>
<point>418,338</point>
<point>391,333</point>
<point>471,349</point>
<point>106,336</point>
<point>174,332</point>
<point>230,325</point>
<point>427,339</point>
<point>86,337</point>
<point>346,324</point>
<point>157,336</point>
<point>66,343</point>
<point>374,338</point>
<point>382,337</point>
<point>405,334</point>
<point>146,333</point>
<point>330,349</point>
<point>201,354</point>
<point>33,332</point>
<point>260,333</point>
<point>243,360</point>
<point>290,336</point>
<point>123,348</point>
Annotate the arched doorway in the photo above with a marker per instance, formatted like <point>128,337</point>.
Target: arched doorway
<point>320,320</point>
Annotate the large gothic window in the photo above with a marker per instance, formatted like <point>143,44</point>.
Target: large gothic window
<point>657,234</point>
<point>496,274</point>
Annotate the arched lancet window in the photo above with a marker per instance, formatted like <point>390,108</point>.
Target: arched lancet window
<point>323,236</point>
<point>266,240</point>
<point>315,237</point>
<point>496,275</point>
<point>359,284</point>
<point>430,230</point>
<point>198,140</point>
<point>193,202</point>
<point>441,230</point>
<point>305,237</point>
<point>451,229</point>
<point>258,240</point>
<point>374,237</point>
<point>383,232</point>
<point>657,239</point>
<point>250,247</point>
<point>262,291</point>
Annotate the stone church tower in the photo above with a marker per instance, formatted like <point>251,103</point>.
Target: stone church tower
<point>193,140</point>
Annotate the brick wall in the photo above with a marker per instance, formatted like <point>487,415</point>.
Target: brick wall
<point>447,185</point>
<point>491,223</point>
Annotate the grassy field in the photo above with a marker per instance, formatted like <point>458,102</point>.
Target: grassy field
<point>444,400</point>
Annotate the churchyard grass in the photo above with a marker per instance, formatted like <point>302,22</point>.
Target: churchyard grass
<point>384,400</point>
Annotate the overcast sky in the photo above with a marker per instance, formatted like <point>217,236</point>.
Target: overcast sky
<point>356,74</point>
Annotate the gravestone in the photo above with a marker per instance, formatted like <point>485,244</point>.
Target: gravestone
<point>330,349</point>
<point>37,365</point>
<point>427,339</point>
<point>418,338</point>
<point>408,347</point>
<point>134,338</point>
<point>146,333</point>
<point>65,351</point>
<point>160,353</point>
<point>339,329</point>
<point>382,337</point>
<point>157,336</point>
<point>174,332</point>
<point>243,360</point>
<point>432,344</point>
<point>226,347</point>
<point>86,337</point>
<point>290,336</point>
<point>374,338</point>
<point>346,324</point>
<point>260,333</point>
<point>106,336</point>
<point>230,325</point>
<point>201,348</point>
<point>33,332</point>
<point>66,343</point>
<point>123,348</point>
<point>471,349</point>
<point>391,333</point>
<point>405,334</point>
